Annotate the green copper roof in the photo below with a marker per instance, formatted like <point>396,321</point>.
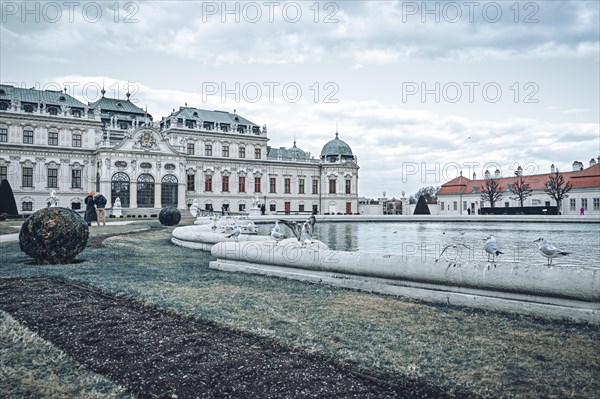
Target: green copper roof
<point>190,113</point>
<point>8,92</point>
<point>287,154</point>
<point>117,105</point>
<point>336,147</point>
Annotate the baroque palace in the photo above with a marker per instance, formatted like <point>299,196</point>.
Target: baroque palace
<point>50,141</point>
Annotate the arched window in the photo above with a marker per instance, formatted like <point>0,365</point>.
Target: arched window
<point>168,191</point>
<point>145,191</point>
<point>119,188</point>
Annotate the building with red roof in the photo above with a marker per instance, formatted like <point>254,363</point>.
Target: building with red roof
<point>461,196</point>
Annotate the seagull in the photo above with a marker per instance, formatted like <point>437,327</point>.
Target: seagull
<point>491,248</point>
<point>450,246</point>
<point>549,250</point>
<point>304,231</point>
<point>276,233</point>
<point>235,233</point>
<point>251,228</point>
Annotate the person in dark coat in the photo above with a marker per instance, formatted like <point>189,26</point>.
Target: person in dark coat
<point>90,209</point>
<point>100,201</point>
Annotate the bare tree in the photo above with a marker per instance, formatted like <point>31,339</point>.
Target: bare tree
<point>430,194</point>
<point>521,190</point>
<point>492,192</point>
<point>557,188</point>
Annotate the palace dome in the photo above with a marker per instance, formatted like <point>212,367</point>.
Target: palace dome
<point>335,149</point>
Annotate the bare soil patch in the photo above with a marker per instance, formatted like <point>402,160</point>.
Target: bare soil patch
<point>156,353</point>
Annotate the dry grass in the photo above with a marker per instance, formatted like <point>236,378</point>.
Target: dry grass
<point>33,368</point>
<point>489,353</point>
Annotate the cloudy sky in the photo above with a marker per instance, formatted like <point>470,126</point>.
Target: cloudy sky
<point>419,90</point>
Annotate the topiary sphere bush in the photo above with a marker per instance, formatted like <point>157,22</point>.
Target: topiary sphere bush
<point>169,216</point>
<point>54,235</point>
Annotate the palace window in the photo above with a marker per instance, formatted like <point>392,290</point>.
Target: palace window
<point>53,110</point>
<point>76,178</point>
<point>208,150</point>
<point>242,184</point>
<point>28,108</point>
<point>315,186</point>
<point>272,185</point>
<point>573,204</point>
<point>168,191</point>
<point>76,113</point>
<point>257,153</point>
<point>27,180</point>
<point>584,203</point>
<point>348,186</point>
<point>596,204</point>
<point>52,138</point>
<point>287,185</point>
<point>332,184</point>
<point>3,134</point>
<point>226,151</point>
<point>27,206</point>
<point>301,208</point>
<point>191,182</point>
<point>301,186</point>
<point>257,184</point>
<point>242,152</point>
<point>190,148</point>
<point>225,184</point>
<point>52,178</point>
<point>28,136</point>
<point>120,188</point>
<point>76,139</point>
<point>3,172</point>
<point>145,191</point>
<point>208,183</point>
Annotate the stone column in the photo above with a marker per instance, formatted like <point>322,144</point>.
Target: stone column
<point>133,194</point>
<point>157,194</point>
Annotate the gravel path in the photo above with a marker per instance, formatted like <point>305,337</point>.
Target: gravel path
<point>161,354</point>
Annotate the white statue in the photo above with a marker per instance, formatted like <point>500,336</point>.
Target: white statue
<point>53,199</point>
<point>194,208</point>
<point>116,209</point>
<point>255,202</point>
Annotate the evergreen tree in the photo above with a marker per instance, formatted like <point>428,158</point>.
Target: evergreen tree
<point>8,204</point>
<point>422,208</point>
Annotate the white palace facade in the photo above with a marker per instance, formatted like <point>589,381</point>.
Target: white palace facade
<point>50,141</point>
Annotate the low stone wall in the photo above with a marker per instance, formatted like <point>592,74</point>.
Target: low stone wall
<point>263,219</point>
<point>204,237</point>
<point>557,292</point>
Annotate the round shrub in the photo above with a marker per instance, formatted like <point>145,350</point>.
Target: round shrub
<point>53,235</point>
<point>169,216</point>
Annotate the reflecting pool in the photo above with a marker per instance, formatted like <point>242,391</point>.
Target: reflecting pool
<point>428,239</point>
